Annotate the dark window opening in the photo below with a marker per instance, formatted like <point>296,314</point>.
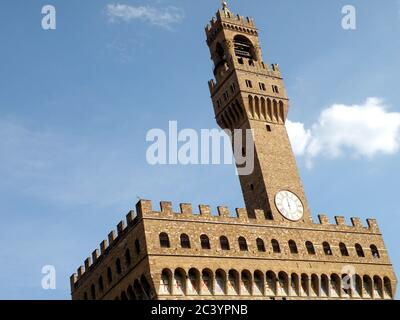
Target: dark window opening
<point>343,250</point>
<point>128,259</point>
<point>93,291</point>
<point>293,247</point>
<point>243,47</point>
<point>243,244</point>
<point>327,248</point>
<point>268,128</point>
<point>109,275</point>
<point>310,248</point>
<point>224,242</point>
<point>164,240</point>
<point>118,266</point>
<point>375,252</point>
<point>137,246</point>
<point>260,245</point>
<point>205,242</point>
<point>268,215</point>
<point>185,241</point>
<point>101,284</point>
<point>360,251</point>
<point>275,246</point>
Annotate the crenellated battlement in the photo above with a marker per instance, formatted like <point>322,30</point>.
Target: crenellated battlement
<point>225,18</point>
<point>146,210</point>
<point>272,71</point>
<point>105,245</point>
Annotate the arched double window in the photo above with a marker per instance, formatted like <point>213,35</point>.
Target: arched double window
<point>205,242</point>
<point>224,242</point>
<point>164,240</point>
<point>185,241</point>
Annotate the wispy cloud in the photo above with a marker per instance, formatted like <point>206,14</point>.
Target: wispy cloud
<point>62,169</point>
<point>364,130</point>
<point>162,17</point>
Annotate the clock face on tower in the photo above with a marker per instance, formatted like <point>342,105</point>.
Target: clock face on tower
<point>289,205</point>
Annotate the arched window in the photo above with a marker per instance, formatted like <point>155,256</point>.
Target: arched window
<point>259,283</point>
<point>101,284</point>
<point>243,47</point>
<point>185,241</point>
<point>293,247</point>
<point>305,282</point>
<point>179,282</point>
<point>283,284</point>
<point>233,282</point>
<point>260,245</point>
<point>367,285</point>
<point>324,285</point>
<point>128,259</point>
<point>206,282</point>
<point>224,242</point>
<point>275,246</point>
<point>359,250</point>
<point>387,287</point>
<point>93,292</point>
<point>243,244</point>
<point>343,249</point>
<point>118,266</point>
<point>374,251</point>
<point>327,248</point>
<point>130,293</point>
<point>137,246</point>
<point>194,281</point>
<point>109,275</point>
<point>310,248</point>
<point>166,283</point>
<point>85,296</point>
<point>205,242</point>
<point>220,282</point>
<point>164,240</point>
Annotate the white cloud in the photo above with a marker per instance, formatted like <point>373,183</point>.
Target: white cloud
<point>362,130</point>
<point>155,16</point>
<point>299,136</point>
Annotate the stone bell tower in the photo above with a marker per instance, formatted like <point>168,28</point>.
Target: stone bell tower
<point>249,94</point>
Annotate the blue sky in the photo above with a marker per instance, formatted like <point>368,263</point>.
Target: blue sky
<point>76,104</point>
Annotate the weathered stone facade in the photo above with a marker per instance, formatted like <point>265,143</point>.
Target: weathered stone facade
<point>252,253</point>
